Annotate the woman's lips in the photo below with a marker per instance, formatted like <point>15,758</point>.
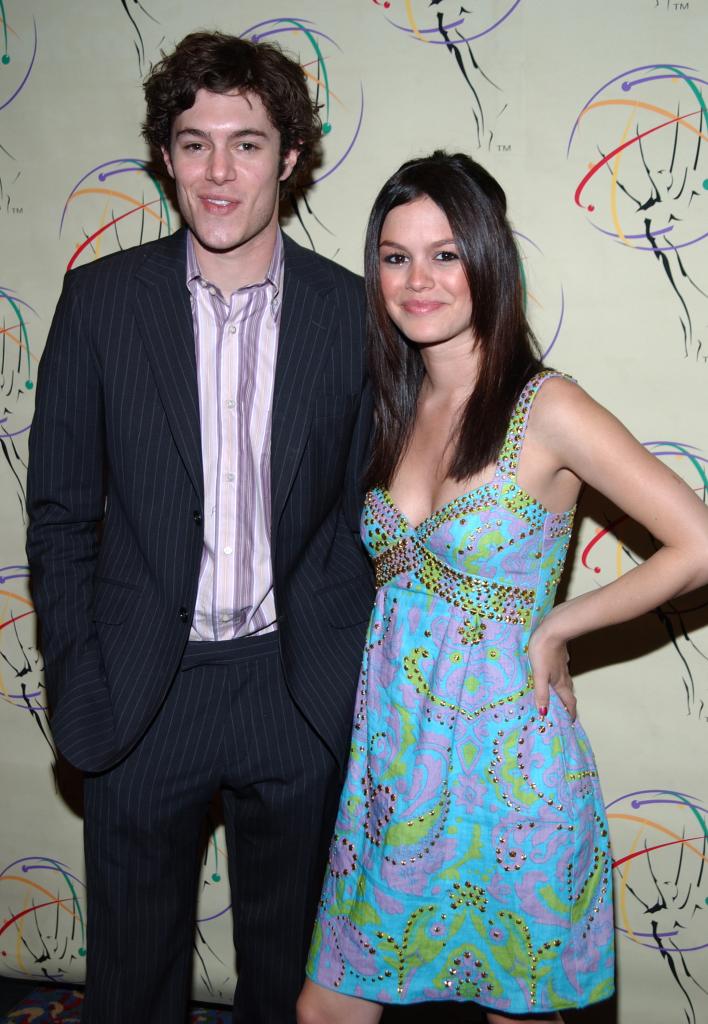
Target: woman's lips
<point>420,308</point>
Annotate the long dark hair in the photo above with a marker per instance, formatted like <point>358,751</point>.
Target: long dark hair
<point>222,63</point>
<point>475,206</point>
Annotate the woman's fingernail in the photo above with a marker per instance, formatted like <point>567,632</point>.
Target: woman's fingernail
<point>543,711</point>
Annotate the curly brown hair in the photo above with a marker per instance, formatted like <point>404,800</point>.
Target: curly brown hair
<point>222,63</point>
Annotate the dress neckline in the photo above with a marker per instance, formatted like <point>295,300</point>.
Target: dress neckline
<point>506,464</point>
<point>494,483</point>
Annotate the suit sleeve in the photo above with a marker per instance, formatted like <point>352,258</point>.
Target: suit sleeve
<point>65,496</point>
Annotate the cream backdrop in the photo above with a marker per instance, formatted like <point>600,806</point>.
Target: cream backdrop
<point>593,117</point>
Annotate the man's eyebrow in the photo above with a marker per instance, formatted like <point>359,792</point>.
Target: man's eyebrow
<point>241,133</point>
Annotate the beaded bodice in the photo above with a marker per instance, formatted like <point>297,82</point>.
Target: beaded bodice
<point>495,552</point>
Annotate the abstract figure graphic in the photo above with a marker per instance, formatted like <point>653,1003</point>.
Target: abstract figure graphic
<point>9,174</point>
<point>147,32</point>
<point>641,142</point>
<point>677,617</point>
<point>660,846</point>
<point>340,102</point>
<point>17,376</point>
<point>116,205</point>
<point>42,935</point>
<point>443,23</point>
<point>18,50</point>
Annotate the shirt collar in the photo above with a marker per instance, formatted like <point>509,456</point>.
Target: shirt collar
<point>273,275</point>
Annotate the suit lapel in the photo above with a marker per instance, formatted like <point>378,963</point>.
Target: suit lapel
<point>165,317</point>
<point>304,339</point>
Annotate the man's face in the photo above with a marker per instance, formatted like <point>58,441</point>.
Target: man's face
<point>225,159</point>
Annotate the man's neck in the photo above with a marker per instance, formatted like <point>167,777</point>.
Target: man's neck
<point>239,267</point>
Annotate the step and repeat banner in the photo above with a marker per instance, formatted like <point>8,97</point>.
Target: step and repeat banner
<point>593,116</point>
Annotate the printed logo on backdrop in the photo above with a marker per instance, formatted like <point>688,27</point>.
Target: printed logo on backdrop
<point>21,663</point>
<point>544,300</point>
<point>18,368</point>
<point>338,95</point>
<point>18,49</point>
<point>42,932</point>
<point>10,172</point>
<point>118,204</point>
<point>214,926</point>
<point>449,30</point>
<point>640,147</point>
<point>606,555</point>
<point>146,31</point>
<point>660,850</point>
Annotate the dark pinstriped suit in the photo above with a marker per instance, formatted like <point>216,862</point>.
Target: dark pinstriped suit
<point>116,442</point>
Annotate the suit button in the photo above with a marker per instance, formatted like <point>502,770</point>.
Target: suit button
<point>197,517</point>
<point>184,614</point>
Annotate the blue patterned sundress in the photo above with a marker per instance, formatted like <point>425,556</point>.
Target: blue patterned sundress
<point>470,859</point>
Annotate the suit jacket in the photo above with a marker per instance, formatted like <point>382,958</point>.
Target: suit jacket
<point>115,495</point>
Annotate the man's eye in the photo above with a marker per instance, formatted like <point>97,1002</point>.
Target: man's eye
<point>248,147</point>
<point>193,146</point>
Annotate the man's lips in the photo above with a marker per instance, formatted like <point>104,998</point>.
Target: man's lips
<point>219,204</point>
<point>420,308</point>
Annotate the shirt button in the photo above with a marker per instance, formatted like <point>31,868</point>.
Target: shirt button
<point>230,476</point>
<point>197,517</point>
<point>226,618</point>
<point>229,403</point>
<point>228,550</point>
<point>212,289</point>
<point>183,614</point>
<point>232,329</point>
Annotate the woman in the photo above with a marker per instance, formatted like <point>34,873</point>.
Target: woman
<point>470,858</point>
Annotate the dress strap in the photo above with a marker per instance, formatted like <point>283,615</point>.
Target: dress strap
<point>508,461</point>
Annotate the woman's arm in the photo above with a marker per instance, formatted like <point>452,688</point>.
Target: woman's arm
<point>590,442</point>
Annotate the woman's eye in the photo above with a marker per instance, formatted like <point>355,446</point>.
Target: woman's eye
<point>394,258</point>
<point>446,256</point>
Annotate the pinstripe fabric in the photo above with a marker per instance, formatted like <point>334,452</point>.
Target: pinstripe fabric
<point>236,344</point>
<point>115,447</point>
<point>240,731</point>
<point>117,389</point>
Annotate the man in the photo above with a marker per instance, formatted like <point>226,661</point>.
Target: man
<point>201,399</point>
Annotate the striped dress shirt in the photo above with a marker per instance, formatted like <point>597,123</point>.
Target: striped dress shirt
<point>236,343</point>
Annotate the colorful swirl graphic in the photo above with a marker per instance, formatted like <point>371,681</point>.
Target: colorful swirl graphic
<point>467,24</point>
<point>17,57</point>
<point>660,846</point>
<point>43,932</point>
<point>113,218</point>
<point>318,52</point>
<point>544,299</point>
<point>21,664</point>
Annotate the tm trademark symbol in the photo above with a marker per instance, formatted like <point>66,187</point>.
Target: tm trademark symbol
<point>504,147</point>
<point>18,209</point>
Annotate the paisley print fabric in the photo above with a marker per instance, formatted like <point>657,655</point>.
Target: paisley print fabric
<point>470,858</point>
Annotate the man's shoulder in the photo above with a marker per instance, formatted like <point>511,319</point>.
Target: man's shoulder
<point>320,271</point>
<point>118,268</point>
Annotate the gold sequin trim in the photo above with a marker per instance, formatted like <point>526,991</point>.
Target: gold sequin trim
<point>473,594</point>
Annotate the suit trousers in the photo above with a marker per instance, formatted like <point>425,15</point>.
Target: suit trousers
<point>229,724</point>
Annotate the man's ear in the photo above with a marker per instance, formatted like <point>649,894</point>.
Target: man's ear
<point>289,161</point>
<point>168,161</point>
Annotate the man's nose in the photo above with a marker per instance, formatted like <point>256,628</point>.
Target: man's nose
<point>222,166</point>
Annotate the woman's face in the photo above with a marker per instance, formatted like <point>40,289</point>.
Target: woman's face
<point>423,282</point>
